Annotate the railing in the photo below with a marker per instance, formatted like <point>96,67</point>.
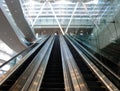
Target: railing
<point>31,78</point>
<point>92,57</point>
<point>22,53</point>
<point>41,70</point>
<point>17,64</point>
<point>92,49</point>
<point>10,63</point>
<point>94,64</point>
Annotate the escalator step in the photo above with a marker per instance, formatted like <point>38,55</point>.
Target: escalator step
<point>52,89</point>
<point>52,85</point>
<point>53,75</point>
<point>94,83</point>
<point>60,80</point>
<point>9,81</point>
<point>97,89</point>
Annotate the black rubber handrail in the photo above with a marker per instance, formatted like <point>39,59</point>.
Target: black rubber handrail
<point>33,45</point>
<point>14,57</point>
<point>88,54</point>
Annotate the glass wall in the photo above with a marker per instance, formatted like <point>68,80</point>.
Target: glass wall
<point>103,40</point>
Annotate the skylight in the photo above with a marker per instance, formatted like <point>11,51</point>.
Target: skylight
<point>40,14</point>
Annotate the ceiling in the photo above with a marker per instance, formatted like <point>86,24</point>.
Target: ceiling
<point>68,13</point>
<point>65,14</point>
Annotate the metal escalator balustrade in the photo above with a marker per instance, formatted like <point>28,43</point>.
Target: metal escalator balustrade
<point>16,58</point>
<point>115,79</point>
<point>9,78</point>
<point>53,78</point>
<point>72,75</point>
<point>49,67</point>
<point>13,61</point>
<point>92,80</point>
<point>67,78</point>
<point>40,72</point>
<point>112,65</point>
<point>27,76</point>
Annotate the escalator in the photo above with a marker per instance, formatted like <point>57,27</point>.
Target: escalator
<point>7,84</point>
<point>109,68</point>
<point>92,81</point>
<point>53,78</point>
<point>113,65</point>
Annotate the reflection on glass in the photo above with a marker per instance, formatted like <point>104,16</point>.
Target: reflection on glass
<point>6,67</point>
<point>6,53</point>
<point>103,38</point>
<point>15,60</point>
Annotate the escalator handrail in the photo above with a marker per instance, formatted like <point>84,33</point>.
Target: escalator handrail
<point>17,55</point>
<point>99,62</point>
<point>43,66</point>
<point>27,79</point>
<point>94,50</point>
<point>111,75</point>
<point>95,69</point>
<point>12,70</point>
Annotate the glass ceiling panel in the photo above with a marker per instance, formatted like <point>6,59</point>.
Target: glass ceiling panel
<point>67,13</point>
<point>42,13</point>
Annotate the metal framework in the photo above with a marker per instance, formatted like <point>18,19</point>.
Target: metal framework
<point>72,17</point>
<point>56,18</point>
<point>64,10</point>
<point>68,13</point>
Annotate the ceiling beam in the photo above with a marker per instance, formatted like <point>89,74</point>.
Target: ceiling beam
<point>56,18</point>
<point>71,17</point>
<point>41,9</point>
